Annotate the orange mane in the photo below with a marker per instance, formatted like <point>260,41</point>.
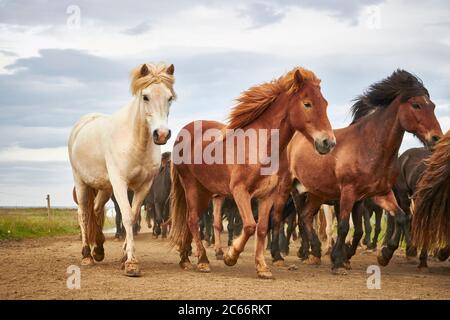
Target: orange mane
<point>254,101</point>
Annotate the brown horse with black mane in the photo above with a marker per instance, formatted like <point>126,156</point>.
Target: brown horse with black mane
<point>431,221</point>
<point>364,162</point>
<point>293,102</point>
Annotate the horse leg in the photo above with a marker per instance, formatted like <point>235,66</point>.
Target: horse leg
<point>275,229</point>
<point>357,214</point>
<point>158,218</point>
<point>208,227</point>
<point>243,201</point>
<point>390,226</point>
<point>308,212</point>
<point>120,232</point>
<point>389,203</point>
<point>289,230</point>
<point>338,254</point>
<point>218,226</point>
<point>299,203</point>
<point>99,211</point>
<point>85,197</point>
<point>423,259</point>
<point>283,242</point>
<point>378,216</point>
<point>129,262</point>
<point>367,214</point>
<point>269,233</point>
<point>404,202</point>
<point>230,226</point>
<point>197,201</point>
<point>264,208</point>
<point>329,219</point>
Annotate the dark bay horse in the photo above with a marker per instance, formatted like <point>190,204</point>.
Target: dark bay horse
<point>120,229</point>
<point>211,228</point>
<point>364,162</point>
<point>291,103</point>
<point>369,208</point>
<point>431,220</point>
<point>411,165</point>
<point>157,200</point>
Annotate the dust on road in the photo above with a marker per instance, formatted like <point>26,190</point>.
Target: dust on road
<point>36,269</point>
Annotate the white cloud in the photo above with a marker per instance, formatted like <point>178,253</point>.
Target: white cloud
<point>18,154</point>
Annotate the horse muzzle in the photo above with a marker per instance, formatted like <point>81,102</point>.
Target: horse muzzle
<point>324,145</point>
<point>161,136</point>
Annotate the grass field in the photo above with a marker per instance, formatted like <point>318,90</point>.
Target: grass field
<point>21,223</point>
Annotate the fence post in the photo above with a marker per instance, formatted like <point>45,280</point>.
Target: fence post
<point>48,206</point>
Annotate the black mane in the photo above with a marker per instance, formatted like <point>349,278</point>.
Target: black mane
<point>400,83</point>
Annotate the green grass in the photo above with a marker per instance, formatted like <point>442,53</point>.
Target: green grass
<point>22,223</point>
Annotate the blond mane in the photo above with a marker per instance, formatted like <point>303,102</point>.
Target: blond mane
<point>254,101</point>
<point>157,74</point>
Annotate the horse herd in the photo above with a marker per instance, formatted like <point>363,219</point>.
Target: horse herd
<point>276,161</point>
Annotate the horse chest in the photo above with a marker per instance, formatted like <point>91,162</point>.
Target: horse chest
<point>141,173</point>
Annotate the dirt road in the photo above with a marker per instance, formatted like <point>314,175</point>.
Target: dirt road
<point>36,269</point>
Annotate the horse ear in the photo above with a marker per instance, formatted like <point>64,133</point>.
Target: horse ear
<point>144,70</point>
<point>298,78</point>
<point>170,69</point>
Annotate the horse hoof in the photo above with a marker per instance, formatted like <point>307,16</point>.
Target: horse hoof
<point>382,261</point>
<point>185,265</point>
<point>88,261</point>
<point>443,254</point>
<point>132,269</point>
<point>99,254</point>
<point>312,261</point>
<point>339,271</point>
<point>347,265</point>
<point>204,267</point>
<point>264,273</point>
<point>229,261</point>
<point>279,263</point>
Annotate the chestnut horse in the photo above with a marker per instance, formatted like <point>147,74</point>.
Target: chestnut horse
<point>364,162</point>
<point>431,220</point>
<point>293,102</point>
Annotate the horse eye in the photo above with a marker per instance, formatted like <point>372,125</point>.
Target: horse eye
<point>307,105</point>
<point>146,98</point>
<point>171,98</point>
<point>415,106</point>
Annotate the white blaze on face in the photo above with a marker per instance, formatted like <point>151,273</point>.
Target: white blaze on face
<point>157,99</point>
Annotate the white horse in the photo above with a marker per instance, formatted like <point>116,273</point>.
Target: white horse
<point>120,152</point>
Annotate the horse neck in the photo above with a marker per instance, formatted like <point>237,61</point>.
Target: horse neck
<point>138,124</point>
<point>388,139</point>
<point>276,117</point>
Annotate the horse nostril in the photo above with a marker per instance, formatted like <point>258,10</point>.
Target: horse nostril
<point>169,134</point>
<point>326,143</point>
<point>155,134</point>
<point>435,138</point>
<point>332,144</point>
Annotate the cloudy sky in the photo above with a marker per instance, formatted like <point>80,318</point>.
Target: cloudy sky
<point>62,59</point>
